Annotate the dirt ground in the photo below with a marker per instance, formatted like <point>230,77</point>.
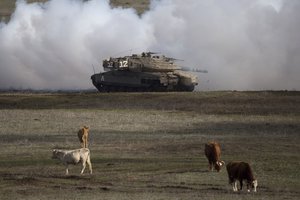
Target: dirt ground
<point>149,145</point>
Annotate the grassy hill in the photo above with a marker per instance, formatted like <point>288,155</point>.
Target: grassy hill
<point>7,6</point>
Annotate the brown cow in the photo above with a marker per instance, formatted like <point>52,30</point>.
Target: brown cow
<point>239,171</point>
<point>83,135</point>
<point>213,153</point>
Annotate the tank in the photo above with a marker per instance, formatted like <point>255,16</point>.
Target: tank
<point>147,71</point>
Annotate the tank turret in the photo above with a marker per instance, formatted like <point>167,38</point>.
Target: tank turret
<point>148,71</point>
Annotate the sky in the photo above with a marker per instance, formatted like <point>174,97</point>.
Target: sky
<point>243,44</point>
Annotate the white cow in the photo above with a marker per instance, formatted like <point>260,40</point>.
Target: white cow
<point>74,157</point>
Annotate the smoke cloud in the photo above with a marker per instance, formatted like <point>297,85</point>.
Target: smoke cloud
<point>244,44</point>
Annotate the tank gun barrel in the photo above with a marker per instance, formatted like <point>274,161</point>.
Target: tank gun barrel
<point>151,52</point>
<point>194,70</point>
<point>173,59</point>
<point>200,70</point>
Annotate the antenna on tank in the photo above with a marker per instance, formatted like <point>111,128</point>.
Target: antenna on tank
<point>93,68</point>
<point>127,50</point>
<point>120,52</point>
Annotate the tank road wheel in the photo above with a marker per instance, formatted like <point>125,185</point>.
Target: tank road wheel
<point>105,88</point>
<point>118,89</point>
<point>111,88</point>
<point>190,88</point>
<point>100,88</point>
<point>128,89</point>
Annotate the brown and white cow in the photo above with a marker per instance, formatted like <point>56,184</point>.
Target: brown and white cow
<point>74,157</point>
<point>83,135</point>
<point>213,153</point>
<point>239,171</point>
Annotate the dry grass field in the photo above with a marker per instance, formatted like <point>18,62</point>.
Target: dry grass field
<point>149,145</point>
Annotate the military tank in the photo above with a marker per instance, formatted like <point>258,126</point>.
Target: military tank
<point>147,71</point>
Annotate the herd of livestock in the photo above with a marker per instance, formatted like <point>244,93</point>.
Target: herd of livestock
<point>237,171</point>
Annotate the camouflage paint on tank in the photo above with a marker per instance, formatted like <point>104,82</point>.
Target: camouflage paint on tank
<point>147,71</point>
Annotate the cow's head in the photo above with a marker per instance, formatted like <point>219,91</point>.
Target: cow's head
<point>219,165</point>
<point>56,153</point>
<point>253,184</point>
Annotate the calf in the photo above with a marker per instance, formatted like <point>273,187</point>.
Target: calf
<point>239,171</point>
<point>213,153</point>
<point>83,135</point>
<point>74,157</point>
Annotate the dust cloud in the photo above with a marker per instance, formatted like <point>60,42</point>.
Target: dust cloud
<point>243,44</point>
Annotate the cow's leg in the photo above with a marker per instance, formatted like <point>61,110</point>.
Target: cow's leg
<point>211,166</point>
<point>83,166</point>
<point>248,187</point>
<point>241,184</point>
<point>254,185</point>
<point>234,185</point>
<point>67,170</point>
<point>83,142</point>
<point>89,164</point>
<point>80,137</point>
